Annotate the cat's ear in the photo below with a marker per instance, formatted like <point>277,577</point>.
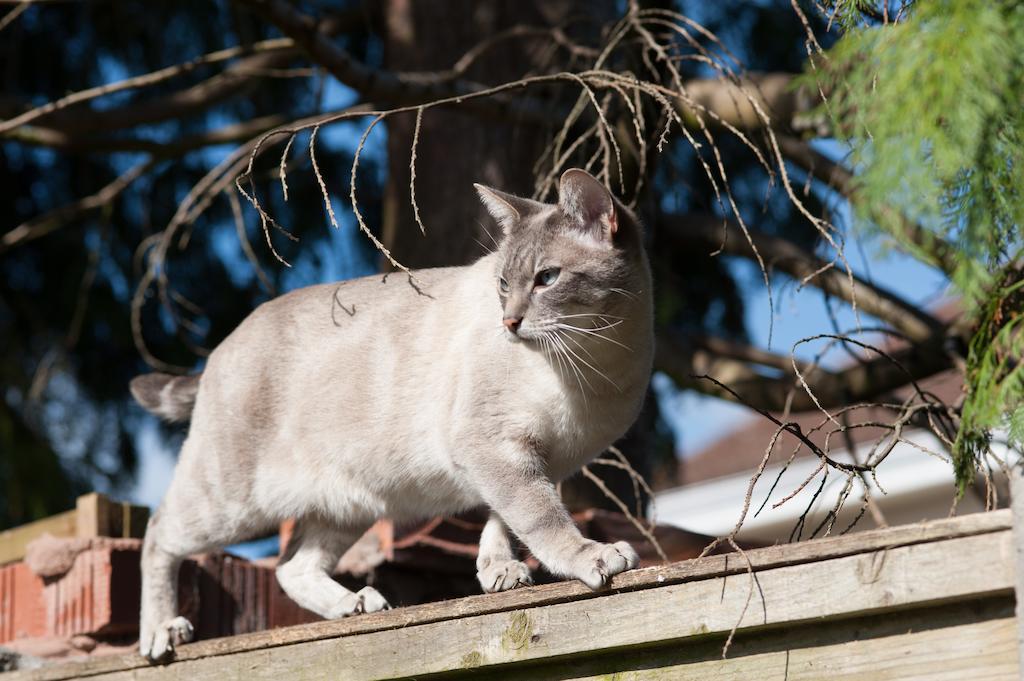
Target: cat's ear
<point>588,203</point>
<point>507,209</point>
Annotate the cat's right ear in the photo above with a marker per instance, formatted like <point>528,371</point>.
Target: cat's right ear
<point>507,209</point>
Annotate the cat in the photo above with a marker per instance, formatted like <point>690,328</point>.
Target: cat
<point>409,397</point>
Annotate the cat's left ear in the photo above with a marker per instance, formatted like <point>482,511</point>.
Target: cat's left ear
<point>507,209</point>
<point>588,203</point>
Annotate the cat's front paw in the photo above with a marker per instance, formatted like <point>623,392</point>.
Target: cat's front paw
<point>502,575</point>
<point>597,563</point>
<point>365,600</point>
<point>158,645</point>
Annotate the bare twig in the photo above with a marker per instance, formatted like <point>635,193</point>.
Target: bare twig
<point>647,533</point>
<point>412,171</point>
<point>58,217</point>
<point>143,80</point>
<point>11,16</point>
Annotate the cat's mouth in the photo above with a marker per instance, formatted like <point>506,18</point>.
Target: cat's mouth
<point>522,334</point>
<point>518,336</point>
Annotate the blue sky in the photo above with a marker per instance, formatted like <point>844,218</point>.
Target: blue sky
<point>798,313</point>
<point>697,421</point>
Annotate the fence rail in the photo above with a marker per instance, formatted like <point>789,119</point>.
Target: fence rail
<point>94,515</point>
<point>927,601</point>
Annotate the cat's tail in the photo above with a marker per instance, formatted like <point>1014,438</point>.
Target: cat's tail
<point>169,397</point>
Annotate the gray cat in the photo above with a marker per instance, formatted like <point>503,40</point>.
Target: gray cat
<point>406,398</point>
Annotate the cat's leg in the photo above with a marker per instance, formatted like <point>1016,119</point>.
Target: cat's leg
<point>511,480</point>
<point>305,571</point>
<point>190,520</point>
<point>166,544</point>
<point>496,566</point>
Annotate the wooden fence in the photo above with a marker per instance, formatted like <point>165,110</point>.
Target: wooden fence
<point>929,601</point>
<point>94,515</point>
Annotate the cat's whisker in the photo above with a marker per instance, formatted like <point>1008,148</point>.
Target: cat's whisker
<point>625,293</point>
<point>549,346</point>
<point>562,369</point>
<point>589,365</point>
<point>599,315</point>
<point>607,325</point>
<point>575,361</point>
<point>581,346</point>
<point>491,237</point>
<point>594,329</point>
<point>593,333</point>
<point>565,351</point>
<point>581,377</point>
<point>484,246</point>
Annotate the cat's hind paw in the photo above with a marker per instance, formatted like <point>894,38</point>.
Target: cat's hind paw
<point>159,645</point>
<point>502,575</point>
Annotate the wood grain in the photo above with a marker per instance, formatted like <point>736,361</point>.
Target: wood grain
<point>14,541</point>
<point>675,573</point>
<point>843,584</point>
<point>1017,514</point>
<point>946,644</point>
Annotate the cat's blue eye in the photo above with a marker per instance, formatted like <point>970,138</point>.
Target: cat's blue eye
<point>548,277</point>
<point>502,284</point>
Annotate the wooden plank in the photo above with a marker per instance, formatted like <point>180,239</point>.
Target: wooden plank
<point>93,515</point>
<point>945,644</point>
<point>711,566</point>
<point>14,541</point>
<point>133,520</point>
<point>880,581</point>
<point>100,516</point>
<point>122,519</point>
<point>1017,512</point>
<point>977,652</point>
<point>675,573</point>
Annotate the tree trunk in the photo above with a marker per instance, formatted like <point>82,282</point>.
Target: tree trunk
<point>456,149</point>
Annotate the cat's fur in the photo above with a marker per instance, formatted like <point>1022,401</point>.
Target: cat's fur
<point>394,397</point>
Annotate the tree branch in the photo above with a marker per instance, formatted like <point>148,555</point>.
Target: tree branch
<point>861,382</point>
<point>725,236</point>
<point>381,85</point>
<point>57,218</point>
<point>144,80</point>
<point>936,250</point>
<point>79,142</point>
<point>732,102</point>
<point>681,361</point>
<point>734,350</point>
<point>233,81</point>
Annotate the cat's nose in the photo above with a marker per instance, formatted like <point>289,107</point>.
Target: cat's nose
<point>512,323</point>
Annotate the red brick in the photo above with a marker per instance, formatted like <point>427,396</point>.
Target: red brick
<point>22,608</point>
<point>98,595</point>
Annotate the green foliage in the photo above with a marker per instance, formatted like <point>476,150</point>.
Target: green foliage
<point>995,378</point>
<point>850,13</point>
<point>932,107</point>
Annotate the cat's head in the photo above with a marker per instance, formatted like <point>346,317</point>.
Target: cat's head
<point>569,270</point>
